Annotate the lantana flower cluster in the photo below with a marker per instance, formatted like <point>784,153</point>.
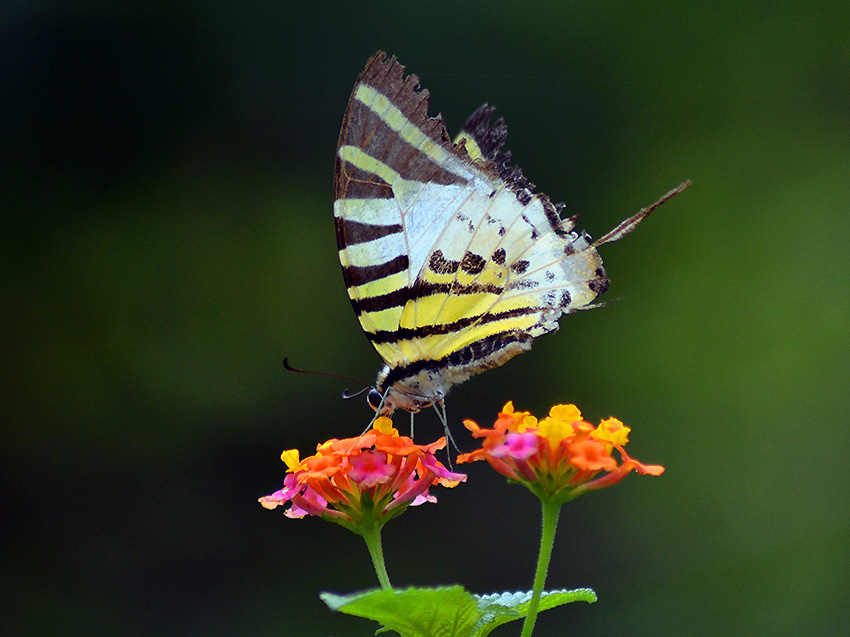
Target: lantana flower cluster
<point>362,482</point>
<point>559,457</point>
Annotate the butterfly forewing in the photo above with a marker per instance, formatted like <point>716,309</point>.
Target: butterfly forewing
<point>452,265</point>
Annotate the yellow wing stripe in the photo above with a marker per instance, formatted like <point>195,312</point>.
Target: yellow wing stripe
<point>440,309</point>
<point>379,287</point>
<point>436,346</point>
<point>472,147</point>
<point>380,321</point>
<point>364,161</point>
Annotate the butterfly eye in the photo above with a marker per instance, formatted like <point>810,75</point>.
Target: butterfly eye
<point>374,398</point>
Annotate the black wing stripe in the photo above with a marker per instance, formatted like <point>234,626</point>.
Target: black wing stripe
<point>354,232</point>
<point>382,302</point>
<point>423,288</point>
<point>361,275</point>
<point>478,352</point>
<point>361,184</point>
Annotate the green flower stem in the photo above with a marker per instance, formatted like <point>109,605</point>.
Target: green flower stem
<point>551,509</point>
<point>372,536</point>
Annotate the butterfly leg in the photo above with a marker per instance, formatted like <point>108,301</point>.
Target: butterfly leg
<point>440,407</point>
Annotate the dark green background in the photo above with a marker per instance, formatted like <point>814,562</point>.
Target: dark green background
<point>167,240</point>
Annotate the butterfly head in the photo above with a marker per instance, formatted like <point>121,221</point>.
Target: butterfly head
<point>385,403</point>
<point>375,400</point>
<point>409,389</point>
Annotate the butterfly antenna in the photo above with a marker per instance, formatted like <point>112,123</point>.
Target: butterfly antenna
<point>345,394</point>
<point>631,223</point>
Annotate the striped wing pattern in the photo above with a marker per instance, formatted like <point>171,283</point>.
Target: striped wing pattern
<point>452,264</point>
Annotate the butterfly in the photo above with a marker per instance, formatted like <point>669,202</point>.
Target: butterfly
<point>452,263</point>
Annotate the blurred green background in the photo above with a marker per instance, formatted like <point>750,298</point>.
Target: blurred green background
<point>167,240</point>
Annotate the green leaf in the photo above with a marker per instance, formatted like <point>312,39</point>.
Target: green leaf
<point>446,612</point>
<point>500,608</point>
<point>413,612</point>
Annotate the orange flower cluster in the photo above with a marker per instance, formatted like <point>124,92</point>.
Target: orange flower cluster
<point>560,456</point>
<point>362,481</point>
